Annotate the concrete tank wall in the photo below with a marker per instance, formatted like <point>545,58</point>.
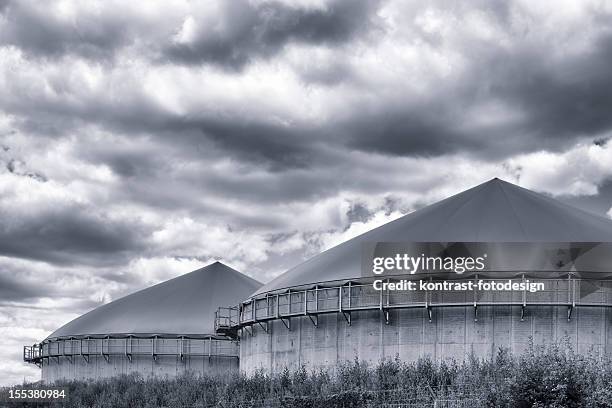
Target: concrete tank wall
<point>163,366</point>
<point>452,333</point>
<point>198,358</point>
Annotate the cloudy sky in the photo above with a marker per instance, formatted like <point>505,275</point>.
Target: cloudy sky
<point>142,140</point>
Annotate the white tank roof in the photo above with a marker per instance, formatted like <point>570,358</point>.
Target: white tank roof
<point>184,305</point>
<point>495,211</point>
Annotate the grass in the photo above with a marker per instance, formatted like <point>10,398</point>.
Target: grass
<point>551,376</point>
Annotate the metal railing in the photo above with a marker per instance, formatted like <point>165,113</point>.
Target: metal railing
<point>359,294</point>
<point>225,317</point>
<point>32,354</point>
<point>130,346</point>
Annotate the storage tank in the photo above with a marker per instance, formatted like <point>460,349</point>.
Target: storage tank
<point>326,309</point>
<point>164,330</point>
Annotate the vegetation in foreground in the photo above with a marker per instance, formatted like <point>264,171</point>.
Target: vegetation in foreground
<point>552,376</point>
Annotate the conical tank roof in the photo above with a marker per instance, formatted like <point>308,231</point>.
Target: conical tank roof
<point>183,305</point>
<point>495,211</point>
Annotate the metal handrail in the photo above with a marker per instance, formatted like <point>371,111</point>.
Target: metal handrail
<point>225,317</point>
<point>68,348</point>
<point>355,295</point>
<point>32,353</point>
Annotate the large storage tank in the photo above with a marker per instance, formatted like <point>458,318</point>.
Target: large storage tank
<point>325,310</point>
<point>164,330</point>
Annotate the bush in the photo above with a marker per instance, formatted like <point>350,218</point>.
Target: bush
<point>551,376</point>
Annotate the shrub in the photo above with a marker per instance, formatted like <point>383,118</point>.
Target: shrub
<point>551,376</point>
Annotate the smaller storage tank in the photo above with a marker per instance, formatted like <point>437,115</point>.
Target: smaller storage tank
<point>164,330</point>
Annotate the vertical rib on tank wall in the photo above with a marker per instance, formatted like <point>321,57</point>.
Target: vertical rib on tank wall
<point>453,333</point>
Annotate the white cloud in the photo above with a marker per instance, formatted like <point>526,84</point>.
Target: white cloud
<point>331,239</point>
<point>577,171</point>
<point>150,271</point>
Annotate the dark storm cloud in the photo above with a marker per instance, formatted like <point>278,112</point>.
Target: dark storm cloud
<point>573,101</point>
<point>417,130</point>
<point>134,160</point>
<point>13,288</point>
<point>560,101</point>
<point>258,139</point>
<point>252,30</point>
<point>242,31</point>
<point>69,235</point>
<point>561,98</point>
<point>279,145</point>
<point>41,33</point>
